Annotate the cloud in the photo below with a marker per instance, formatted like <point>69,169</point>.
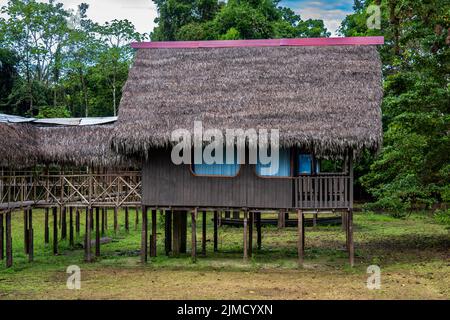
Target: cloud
<point>331,12</point>
<point>141,13</point>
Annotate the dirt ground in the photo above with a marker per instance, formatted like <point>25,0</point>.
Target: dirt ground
<point>413,254</point>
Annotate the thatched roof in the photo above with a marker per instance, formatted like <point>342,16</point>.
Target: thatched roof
<point>78,145</point>
<point>25,145</point>
<point>18,146</point>
<point>326,98</point>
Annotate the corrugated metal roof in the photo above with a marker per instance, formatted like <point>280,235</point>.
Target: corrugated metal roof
<point>6,118</point>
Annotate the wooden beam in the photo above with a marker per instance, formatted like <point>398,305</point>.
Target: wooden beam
<point>30,236</point>
<point>176,233</point>
<point>87,241</point>
<point>245,236</point>
<point>102,222</point>
<point>183,231</point>
<point>168,231</point>
<point>194,235</point>
<point>301,244</point>
<point>116,219</point>
<point>63,223</point>
<point>250,234</point>
<point>77,222</point>
<point>46,228</point>
<point>144,235</point>
<point>204,233</point>
<point>216,222</point>
<point>97,232</point>
<point>351,249</point>
<point>127,222</point>
<point>9,253</point>
<point>71,242</point>
<point>136,221</point>
<point>153,243</point>
<point>25,231</point>
<point>2,237</point>
<point>258,230</point>
<point>55,230</point>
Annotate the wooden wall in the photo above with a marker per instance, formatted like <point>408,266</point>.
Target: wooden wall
<point>166,184</point>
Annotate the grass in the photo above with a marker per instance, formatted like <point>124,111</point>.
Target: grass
<point>413,254</point>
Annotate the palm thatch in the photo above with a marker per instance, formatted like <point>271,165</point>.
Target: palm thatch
<point>325,99</point>
<point>79,146</point>
<point>18,147</point>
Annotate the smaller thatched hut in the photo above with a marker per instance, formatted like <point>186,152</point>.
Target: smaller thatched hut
<point>18,145</point>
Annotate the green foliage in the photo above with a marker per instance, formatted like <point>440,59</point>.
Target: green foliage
<point>53,112</point>
<point>412,169</point>
<point>245,19</point>
<point>59,58</point>
<point>442,216</point>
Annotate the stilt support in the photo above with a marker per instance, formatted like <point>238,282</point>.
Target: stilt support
<point>301,237</point>
<point>194,235</point>
<point>144,235</point>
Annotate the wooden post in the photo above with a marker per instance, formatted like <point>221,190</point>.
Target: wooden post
<point>91,216</point>
<point>204,233</point>
<point>315,219</point>
<point>183,231</point>
<point>77,222</point>
<point>127,225</point>
<point>245,236</point>
<point>116,220</point>
<point>301,245</point>
<point>30,236</point>
<point>351,249</point>
<point>136,221</point>
<point>71,243</point>
<point>168,232</point>
<point>25,230</point>
<point>87,241</point>
<point>63,223</point>
<point>55,230</point>
<point>176,233</point>
<point>2,238</point>
<point>194,235</point>
<point>143,235</point>
<point>250,234</point>
<point>258,230</point>
<point>215,230</point>
<point>153,242</point>
<point>46,228</point>
<point>9,253</point>
<point>281,217</point>
<point>102,221</point>
<point>97,232</point>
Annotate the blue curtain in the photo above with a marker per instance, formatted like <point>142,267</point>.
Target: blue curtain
<point>228,170</point>
<point>304,163</point>
<point>284,168</point>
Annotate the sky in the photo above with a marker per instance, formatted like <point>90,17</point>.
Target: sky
<point>143,12</point>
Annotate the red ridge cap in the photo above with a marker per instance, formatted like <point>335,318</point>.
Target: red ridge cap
<point>317,42</point>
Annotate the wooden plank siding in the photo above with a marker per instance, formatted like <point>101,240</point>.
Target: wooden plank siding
<point>167,185</point>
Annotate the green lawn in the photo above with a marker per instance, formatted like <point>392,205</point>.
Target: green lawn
<point>413,255</point>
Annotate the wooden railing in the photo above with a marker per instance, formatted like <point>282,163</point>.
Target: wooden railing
<point>324,192</point>
<point>112,189</point>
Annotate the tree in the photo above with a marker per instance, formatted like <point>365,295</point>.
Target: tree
<point>411,170</point>
<point>235,19</point>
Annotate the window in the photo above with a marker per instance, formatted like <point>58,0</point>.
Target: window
<point>220,170</point>
<point>331,166</point>
<point>284,167</point>
<point>304,163</point>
